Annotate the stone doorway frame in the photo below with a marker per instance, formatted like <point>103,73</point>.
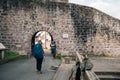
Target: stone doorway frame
<point>33,38</point>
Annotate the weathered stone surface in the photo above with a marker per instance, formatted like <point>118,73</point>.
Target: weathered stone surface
<point>88,29</point>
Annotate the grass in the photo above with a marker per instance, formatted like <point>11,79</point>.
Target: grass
<point>58,56</point>
<point>11,56</point>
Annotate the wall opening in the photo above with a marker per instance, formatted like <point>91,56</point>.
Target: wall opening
<point>44,36</point>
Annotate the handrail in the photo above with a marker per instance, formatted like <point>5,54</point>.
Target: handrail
<point>89,74</point>
<point>80,57</point>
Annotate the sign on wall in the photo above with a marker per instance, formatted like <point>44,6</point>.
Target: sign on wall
<point>65,35</point>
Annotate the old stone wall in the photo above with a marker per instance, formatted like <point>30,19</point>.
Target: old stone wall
<point>107,39</point>
<point>66,1</point>
<point>87,29</point>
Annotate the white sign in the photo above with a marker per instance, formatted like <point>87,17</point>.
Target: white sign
<point>65,35</point>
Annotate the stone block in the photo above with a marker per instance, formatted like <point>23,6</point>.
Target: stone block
<point>67,60</point>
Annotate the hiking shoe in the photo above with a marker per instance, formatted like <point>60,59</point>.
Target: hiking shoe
<point>40,72</point>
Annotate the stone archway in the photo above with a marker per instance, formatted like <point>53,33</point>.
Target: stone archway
<point>44,36</point>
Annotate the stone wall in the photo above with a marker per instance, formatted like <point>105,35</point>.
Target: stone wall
<point>87,29</point>
<point>66,1</point>
<point>107,39</point>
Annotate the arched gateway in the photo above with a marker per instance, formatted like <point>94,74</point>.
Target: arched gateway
<point>45,37</point>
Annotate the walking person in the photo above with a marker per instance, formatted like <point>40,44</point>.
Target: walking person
<point>53,48</point>
<point>38,53</point>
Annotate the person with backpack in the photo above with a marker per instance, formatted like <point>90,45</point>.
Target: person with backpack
<point>53,48</point>
<point>38,53</point>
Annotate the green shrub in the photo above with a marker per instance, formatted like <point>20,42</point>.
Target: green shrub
<point>58,56</point>
<point>10,54</point>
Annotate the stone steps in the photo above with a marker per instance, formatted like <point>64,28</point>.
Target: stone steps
<point>108,75</point>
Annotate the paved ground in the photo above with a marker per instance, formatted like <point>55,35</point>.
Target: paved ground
<point>25,69</point>
<point>105,64</point>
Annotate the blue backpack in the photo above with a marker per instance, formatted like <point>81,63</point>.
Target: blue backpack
<point>37,51</point>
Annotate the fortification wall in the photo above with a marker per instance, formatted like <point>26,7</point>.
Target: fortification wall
<point>88,29</point>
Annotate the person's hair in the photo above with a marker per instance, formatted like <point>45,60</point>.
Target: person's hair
<point>53,42</point>
<point>39,41</point>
